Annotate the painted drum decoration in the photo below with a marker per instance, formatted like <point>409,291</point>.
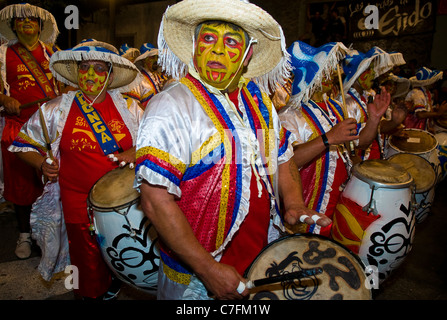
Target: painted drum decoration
<point>342,277</point>
<point>418,142</point>
<point>375,218</point>
<point>424,178</point>
<point>441,137</point>
<point>127,239</point>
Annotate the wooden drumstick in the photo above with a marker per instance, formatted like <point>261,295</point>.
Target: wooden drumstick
<point>304,273</point>
<point>45,133</point>
<point>345,111</point>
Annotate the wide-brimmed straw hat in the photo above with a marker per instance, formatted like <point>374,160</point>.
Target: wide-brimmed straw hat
<point>128,52</point>
<point>269,63</point>
<point>402,84</point>
<point>425,77</point>
<point>146,50</point>
<point>311,65</point>
<point>64,66</point>
<point>49,30</point>
<point>358,62</point>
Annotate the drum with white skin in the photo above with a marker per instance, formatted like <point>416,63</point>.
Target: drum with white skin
<point>127,239</point>
<point>375,216</point>
<point>418,142</point>
<point>424,178</point>
<point>441,137</point>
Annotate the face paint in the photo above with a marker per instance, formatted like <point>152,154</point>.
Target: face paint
<point>366,79</point>
<point>92,77</point>
<point>218,53</point>
<point>150,63</point>
<point>26,26</point>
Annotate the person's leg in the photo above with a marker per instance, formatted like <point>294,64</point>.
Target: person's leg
<point>23,248</point>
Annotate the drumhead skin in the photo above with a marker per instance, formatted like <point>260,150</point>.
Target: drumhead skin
<point>418,141</point>
<point>343,276</point>
<point>382,174</point>
<point>419,168</point>
<point>114,189</point>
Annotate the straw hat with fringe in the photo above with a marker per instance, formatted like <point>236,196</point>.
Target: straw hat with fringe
<point>402,84</point>
<point>64,66</point>
<point>311,65</point>
<point>270,61</point>
<point>128,52</point>
<point>49,30</point>
<point>425,77</point>
<point>358,62</point>
<point>146,50</point>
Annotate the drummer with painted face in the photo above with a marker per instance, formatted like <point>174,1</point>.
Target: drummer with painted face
<point>213,162</point>
<point>91,131</point>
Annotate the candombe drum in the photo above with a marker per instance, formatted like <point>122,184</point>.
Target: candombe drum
<point>375,218</point>
<point>440,124</point>
<point>441,137</point>
<point>127,239</point>
<point>342,276</point>
<point>418,142</point>
<point>424,179</point>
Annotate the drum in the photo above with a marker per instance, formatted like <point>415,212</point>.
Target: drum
<point>440,125</point>
<point>375,216</point>
<point>418,142</point>
<point>424,178</point>
<point>343,275</point>
<point>127,239</point>
<point>441,137</point>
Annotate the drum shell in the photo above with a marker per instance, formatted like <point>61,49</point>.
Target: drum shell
<point>429,153</point>
<point>133,258</point>
<point>395,223</point>
<point>441,137</point>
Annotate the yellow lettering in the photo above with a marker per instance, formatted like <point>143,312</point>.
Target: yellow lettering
<point>105,137</point>
<point>98,127</point>
<point>93,117</point>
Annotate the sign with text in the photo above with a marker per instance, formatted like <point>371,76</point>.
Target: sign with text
<point>390,18</point>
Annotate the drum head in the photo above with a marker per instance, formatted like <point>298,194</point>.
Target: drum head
<point>343,275</point>
<point>423,174</point>
<point>441,122</point>
<point>114,189</point>
<point>418,141</point>
<point>382,173</point>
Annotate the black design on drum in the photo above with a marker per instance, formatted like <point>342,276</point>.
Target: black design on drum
<point>301,289</point>
<point>130,257</point>
<point>396,245</point>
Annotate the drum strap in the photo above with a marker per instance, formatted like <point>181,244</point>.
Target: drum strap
<point>99,127</point>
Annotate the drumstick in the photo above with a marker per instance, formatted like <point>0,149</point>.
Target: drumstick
<point>304,273</point>
<point>45,133</point>
<point>29,104</point>
<point>345,111</point>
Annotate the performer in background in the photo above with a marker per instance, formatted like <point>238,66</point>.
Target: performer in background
<point>322,127</point>
<point>30,33</point>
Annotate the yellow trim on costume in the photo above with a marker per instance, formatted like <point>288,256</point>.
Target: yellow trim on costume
<point>209,145</point>
<point>163,155</point>
<point>176,276</point>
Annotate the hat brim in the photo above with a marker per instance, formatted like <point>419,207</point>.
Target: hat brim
<point>181,19</point>
<point>436,76</point>
<point>64,66</point>
<point>49,30</point>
